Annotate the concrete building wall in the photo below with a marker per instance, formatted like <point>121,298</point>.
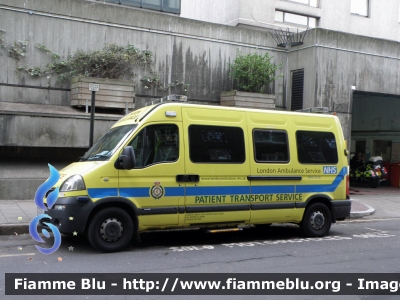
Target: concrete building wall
<point>347,60</point>
<point>179,54</point>
<point>222,11</point>
<point>192,51</point>
<point>259,13</point>
<point>383,20</point>
<point>51,131</point>
<point>34,117</point>
<point>334,62</point>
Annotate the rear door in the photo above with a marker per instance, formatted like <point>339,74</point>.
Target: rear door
<point>216,166</point>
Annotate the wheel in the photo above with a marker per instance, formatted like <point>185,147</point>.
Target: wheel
<point>110,230</point>
<point>317,220</point>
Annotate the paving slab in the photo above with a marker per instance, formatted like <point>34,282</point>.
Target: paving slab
<point>384,199</point>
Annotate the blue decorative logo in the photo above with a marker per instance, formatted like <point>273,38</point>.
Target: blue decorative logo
<point>51,199</point>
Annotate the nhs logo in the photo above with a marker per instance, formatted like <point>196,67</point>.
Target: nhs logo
<point>330,170</point>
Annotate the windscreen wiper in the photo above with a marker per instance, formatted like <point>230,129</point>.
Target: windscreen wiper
<point>97,156</point>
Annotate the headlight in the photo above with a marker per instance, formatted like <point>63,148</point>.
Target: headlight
<point>74,183</point>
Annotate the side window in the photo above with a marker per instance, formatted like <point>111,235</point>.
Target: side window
<point>316,147</point>
<point>216,144</point>
<point>156,144</point>
<point>270,146</point>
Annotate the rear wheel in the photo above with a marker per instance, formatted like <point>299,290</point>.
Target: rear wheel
<point>317,220</point>
<point>110,230</point>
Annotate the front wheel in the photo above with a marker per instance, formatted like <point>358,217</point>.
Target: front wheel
<point>110,230</point>
<point>317,220</point>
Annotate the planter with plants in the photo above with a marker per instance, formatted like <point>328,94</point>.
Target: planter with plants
<point>253,72</point>
<point>113,93</point>
<point>112,67</point>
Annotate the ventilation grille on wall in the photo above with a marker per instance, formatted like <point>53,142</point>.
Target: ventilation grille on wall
<point>297,89</point>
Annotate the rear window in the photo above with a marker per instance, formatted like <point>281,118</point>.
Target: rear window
<point>216,144</point>
<point>315,147</point>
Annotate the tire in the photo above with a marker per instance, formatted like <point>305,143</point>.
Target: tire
<point>317,220</point>
<point>110,230</point>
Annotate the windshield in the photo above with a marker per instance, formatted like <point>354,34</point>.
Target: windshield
<point>107,145</point>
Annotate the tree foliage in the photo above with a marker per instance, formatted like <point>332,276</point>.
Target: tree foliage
<point>254,71</point>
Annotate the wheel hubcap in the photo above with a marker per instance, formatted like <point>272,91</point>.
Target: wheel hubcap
<point>111,230</point>
<point>317,220</point>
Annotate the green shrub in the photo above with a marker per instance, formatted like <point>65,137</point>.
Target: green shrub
<point>254,71</point>
<point>114,62</point>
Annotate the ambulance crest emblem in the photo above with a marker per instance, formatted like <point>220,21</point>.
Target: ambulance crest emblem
<point>157,190</point>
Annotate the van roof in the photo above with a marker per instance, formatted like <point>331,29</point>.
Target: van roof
<point>139,114</point>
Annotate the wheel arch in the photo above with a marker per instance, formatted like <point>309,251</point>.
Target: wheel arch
<point>120,202</point>
<point>321,198</point>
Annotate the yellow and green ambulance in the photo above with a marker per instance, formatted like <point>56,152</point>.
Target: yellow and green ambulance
<point>181,165</point>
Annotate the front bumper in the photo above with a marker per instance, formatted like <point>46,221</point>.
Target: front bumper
<point>73,217</point>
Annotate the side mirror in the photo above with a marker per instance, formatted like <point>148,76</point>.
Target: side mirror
<point>127,160</point>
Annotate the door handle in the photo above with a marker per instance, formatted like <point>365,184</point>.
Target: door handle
<point>187,178</point>
<point>192,178</point>
<point>180,178</point>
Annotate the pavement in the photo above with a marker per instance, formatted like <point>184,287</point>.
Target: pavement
<point>384,202</point>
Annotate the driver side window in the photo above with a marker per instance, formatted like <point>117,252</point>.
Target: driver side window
<point>156,144</point>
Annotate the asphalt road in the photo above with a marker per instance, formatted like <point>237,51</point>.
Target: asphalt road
<point>365,245</point>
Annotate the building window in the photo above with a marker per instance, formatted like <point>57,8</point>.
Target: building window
<point>360,7</point>
<point>313,3</point>
<point>152,4</point>
<point>216,144</point>
<point>297,89</point>
<point>285,17</point>
<point>270,146</point>
<point>172,6</point>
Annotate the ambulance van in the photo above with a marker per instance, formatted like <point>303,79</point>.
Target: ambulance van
<point>180,165</point>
